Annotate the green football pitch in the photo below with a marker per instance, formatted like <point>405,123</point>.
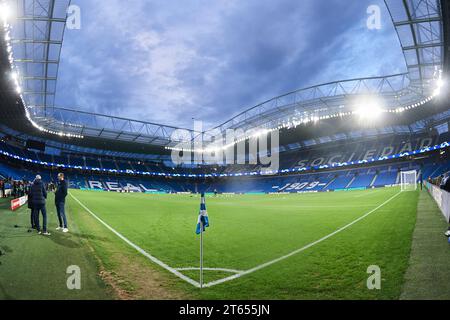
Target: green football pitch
<point>286,246</point>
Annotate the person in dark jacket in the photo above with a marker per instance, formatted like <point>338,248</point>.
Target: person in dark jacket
<point>445,185</point>
<point>39,197</point>
<point>2,189</point>
<point>60,202</point>
<point>32,211</point>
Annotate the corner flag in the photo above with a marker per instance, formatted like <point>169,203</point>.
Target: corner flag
<point>202,223</point>
<point>202,216</point>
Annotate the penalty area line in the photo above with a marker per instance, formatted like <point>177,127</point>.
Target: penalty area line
<point>368,192</point>
<point>269,263</point>
<point>139,249</point>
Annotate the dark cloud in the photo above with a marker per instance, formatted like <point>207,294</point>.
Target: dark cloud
<point>169,61</point>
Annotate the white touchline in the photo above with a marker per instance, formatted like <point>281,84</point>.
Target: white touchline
<point>238,273</point>
<point>140,250</point>
<point>261,266</point>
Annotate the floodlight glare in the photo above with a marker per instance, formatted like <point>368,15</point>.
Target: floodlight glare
<point>5,12</point>
<point>369,110</point>
<point>367,107</point>
<point>14,76</point>
<point>439,86</point>
<point>437,92</point>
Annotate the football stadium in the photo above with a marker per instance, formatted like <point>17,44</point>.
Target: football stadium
<point>334,190</point>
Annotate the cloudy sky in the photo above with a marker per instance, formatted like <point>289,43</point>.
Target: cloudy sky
<point>169,61</point>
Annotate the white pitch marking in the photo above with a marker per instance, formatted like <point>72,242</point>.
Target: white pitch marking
<point>140,250</point>
<point>238,273</point>
<point>367,193</point>
<point>261,266</point>
<point>210,269</point>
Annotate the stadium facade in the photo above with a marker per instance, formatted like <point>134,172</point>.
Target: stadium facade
<point>326,142</point>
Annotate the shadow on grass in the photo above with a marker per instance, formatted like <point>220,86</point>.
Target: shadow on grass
<point>14,231</point>
<point>69,239</point>
<point>5,249</point>
<point>3,294</point>
<point>89,237</point>
<point>5,205</point>
<point>63,240</point>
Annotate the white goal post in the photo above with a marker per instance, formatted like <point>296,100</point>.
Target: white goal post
<point>408,180</point>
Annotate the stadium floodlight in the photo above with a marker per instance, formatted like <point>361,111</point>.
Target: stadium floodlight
<point>368,108</point>
<point>440,83</point>
<point>437,92</point>
<point>408,180</point>
<point>5,12</point>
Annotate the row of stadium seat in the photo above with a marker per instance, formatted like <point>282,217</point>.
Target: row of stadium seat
<point>294,158</point>
<point>375,176</point>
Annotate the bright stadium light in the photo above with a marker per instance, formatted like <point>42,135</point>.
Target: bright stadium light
<point>14,76</point>
<point>440,83</point>
<point>437,92</point>
<point>369,108</point>
<point>5,12</point>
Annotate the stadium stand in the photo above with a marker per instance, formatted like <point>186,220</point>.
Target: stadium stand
<point>85,171</point>
<point>325,153</point>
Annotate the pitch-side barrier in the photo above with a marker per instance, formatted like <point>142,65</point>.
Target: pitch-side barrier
<point>441,197</point>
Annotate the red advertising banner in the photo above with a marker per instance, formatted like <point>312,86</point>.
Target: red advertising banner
<point>17,203</point>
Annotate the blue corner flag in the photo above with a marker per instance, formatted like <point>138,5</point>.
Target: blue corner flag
<point>202,216</point>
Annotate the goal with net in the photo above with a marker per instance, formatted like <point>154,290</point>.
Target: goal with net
<point>408,180</point>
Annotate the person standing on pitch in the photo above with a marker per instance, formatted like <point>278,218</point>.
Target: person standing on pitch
<point>2,189</point>
<point>421,181</point>
<point>32,211</point>
<point>60,202</point>
<point>445,185</point>
<point>38,198</point>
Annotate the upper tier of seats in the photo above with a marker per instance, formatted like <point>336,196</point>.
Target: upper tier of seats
<point>296,160</point>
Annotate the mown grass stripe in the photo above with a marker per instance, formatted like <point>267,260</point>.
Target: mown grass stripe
<point>137,248</point>
<point>269,263</point>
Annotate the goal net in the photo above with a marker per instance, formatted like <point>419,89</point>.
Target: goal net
<point>408,180</point>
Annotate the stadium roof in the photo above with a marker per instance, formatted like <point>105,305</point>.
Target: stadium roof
<point>35,34</point>
<point>420,29</point>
